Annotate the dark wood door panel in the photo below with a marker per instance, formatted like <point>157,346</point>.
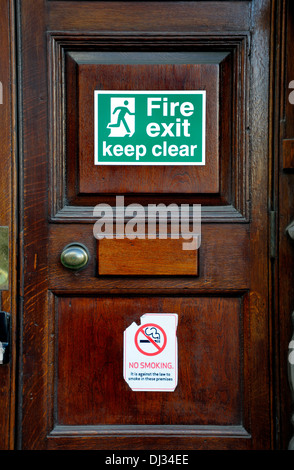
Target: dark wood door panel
<point>209,401</point>
<point>71,381</point>
<point>162,17</point>
<point>151,179</point>
<point>213,253</point>
<point>90,386</point>
<point>64,439</point>
<point>218,67</point>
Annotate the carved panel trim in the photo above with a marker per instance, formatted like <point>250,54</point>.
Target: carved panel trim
<point>232,203</point>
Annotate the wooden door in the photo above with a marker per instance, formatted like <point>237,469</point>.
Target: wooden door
<point>73,393</point>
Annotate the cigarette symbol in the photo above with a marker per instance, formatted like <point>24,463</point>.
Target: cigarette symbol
<point>153,333</point>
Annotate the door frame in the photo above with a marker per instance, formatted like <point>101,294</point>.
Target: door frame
<point>9,299</point>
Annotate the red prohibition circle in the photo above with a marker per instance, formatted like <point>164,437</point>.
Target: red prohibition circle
<point>159,349</point>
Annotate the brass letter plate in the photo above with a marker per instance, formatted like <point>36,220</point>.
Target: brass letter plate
<point>4,258</point>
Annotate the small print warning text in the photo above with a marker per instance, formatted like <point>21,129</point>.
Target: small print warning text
<point>156,376</point>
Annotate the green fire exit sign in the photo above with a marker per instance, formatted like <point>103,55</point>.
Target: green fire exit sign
<point>150,127</point>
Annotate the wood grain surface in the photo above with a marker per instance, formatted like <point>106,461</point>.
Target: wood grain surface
<point>71,390</point>
<point>146,257</point>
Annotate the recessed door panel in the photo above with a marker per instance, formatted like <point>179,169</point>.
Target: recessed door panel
<point>213,71</point>
<point>90,386</point>
<point>153,77</point>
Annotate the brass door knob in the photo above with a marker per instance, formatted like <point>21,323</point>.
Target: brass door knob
<point>74,256</point>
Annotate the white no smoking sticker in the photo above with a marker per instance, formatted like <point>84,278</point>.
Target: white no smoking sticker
<point>151,353</point>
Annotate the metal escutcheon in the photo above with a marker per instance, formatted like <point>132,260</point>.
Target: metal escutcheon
<point>74,256</point>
